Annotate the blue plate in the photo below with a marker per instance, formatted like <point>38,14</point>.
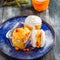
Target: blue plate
<point>5,45</point>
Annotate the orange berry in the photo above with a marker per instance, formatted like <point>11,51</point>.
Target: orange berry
<point>26,50</point>
<point>37,44</point>
<point>16,30</point>
<point>16,48</point>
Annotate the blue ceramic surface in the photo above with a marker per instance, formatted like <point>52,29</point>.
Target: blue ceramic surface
<point>5,45</point>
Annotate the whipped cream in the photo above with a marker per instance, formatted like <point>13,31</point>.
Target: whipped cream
<point>33,20</point>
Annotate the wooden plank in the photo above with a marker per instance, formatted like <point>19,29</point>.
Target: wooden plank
<point>10,12</point>
<point>1,15</point>
<point>49,56</point>
<point>1,2</point>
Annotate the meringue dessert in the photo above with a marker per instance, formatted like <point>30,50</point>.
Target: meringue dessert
<point>38,38</point>
<point>33,21</point>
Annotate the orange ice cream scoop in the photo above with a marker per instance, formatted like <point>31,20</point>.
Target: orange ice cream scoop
<point>40,5</point>
<point>19,35</point>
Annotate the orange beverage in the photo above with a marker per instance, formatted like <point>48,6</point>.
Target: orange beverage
<point>40,5</point>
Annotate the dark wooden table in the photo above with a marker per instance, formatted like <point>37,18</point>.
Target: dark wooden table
<point>51,15</point>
